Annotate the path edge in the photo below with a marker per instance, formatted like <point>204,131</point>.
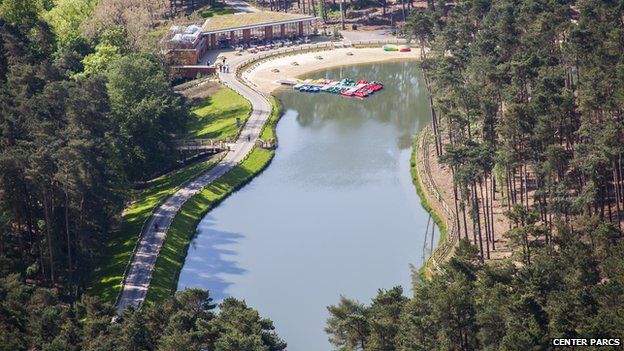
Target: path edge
<point>149,296</point>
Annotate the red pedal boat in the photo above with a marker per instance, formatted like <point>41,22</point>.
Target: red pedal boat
<point>346,93</point>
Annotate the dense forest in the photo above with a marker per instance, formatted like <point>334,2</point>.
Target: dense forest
<point>34,319</point>
<point>527,99</point>
<point>528,102</point>
<point>76,128</point>
<point>87,110</point>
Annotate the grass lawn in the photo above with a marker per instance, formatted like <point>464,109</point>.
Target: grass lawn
<point>215,116</point>
<point>217,10</point>
<point>108,274</point>
<point>173,252</point>
<point>268,132</point>
<point>250,19</point>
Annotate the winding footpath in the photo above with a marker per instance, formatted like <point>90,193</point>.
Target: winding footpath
<point>138,276</point>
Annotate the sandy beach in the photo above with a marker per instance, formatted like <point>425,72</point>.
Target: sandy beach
<point>266,75</point>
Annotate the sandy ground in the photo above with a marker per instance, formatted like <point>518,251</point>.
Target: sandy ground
<point>443,180</point>
<point>266,75</point>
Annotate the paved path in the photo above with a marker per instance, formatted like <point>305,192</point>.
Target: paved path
<point>139,274</point>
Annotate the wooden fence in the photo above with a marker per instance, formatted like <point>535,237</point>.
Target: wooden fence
<point>444,249</point>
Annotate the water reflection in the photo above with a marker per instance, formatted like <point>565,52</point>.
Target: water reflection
<point>335,213</point>
<point>209,259</point>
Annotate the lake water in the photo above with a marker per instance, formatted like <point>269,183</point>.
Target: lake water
<point>335,213</point>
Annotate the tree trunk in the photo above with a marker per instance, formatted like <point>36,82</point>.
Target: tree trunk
<point>493,183</point>
<point>342,16</point>
<point>526,185</point>
<point>48,231</point>
<point>477,217</point>
<point>403,10</point>
<point>618,199</point>
<point>69,251</point>
<point>463,208</point>
<point>487,221</point>
<point>456,208</point>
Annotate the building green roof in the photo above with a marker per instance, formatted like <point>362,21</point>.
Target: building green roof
<point>248,20</point>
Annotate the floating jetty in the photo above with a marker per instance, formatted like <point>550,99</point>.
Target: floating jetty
<point>344,87</point>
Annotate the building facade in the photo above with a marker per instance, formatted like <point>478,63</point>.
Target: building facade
<point>185,45</point>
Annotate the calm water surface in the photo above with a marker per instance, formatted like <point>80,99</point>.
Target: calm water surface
<point>335,213</point>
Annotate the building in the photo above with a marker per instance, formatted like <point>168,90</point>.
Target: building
<point>185,45</point>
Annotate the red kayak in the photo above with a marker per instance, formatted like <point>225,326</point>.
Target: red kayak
<point>346,93</point>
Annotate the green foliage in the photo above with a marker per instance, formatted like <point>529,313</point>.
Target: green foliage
<point>99,61</point>
<point>472,306</point>
<point>112,46</point>
<point>173,252</point>
<point>67,16</point>
<point>420,26</point>
<point>59,168</point>
<point>21,12</point>
<point>146,112</point>
<point>347,325</point>
<point>34,319</point>
<point>69,144</point>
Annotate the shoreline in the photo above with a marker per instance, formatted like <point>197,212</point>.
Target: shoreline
<point>260,76</point>
<point>265,81</point>
<point>167,269</point>
<point>427,199</point>
<point>264,75</point>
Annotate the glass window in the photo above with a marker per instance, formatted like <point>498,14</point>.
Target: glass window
<point>277,31</point>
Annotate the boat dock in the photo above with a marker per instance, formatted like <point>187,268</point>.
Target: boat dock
<point>344,87</point>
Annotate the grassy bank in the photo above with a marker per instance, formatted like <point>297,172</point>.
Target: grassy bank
<point>174,250</point>
<point>416,179</point>
<point>109,273</point>
<point>268,132</point>
<point>215,117</point>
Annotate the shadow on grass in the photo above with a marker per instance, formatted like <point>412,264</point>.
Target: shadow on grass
<point>202,103</point>
<point>215,116</point>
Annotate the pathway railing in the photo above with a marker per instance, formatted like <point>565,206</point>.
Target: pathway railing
<point>444,249</point>
<point>201,144</point>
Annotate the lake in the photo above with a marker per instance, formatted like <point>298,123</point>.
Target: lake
<point>335,213</point>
